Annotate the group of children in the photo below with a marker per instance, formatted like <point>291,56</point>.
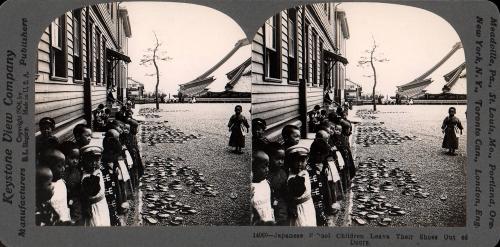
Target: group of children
<point>81,184</point>
<point>300,186</point>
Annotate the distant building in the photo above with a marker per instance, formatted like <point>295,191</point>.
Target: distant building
<point>82,56</point>
<point>296,59</point>
<point>237,78</point>
<point>445,77</point>
<point>352,91</point>
<point>135,89</point>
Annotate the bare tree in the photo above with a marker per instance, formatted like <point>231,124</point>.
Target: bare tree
<point>152,57</point>
<point>371,59</point>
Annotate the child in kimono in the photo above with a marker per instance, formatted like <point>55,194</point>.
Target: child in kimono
<point>277,180</point>
<point>94,204</point>
<point>110,169</point>
<point>301,206</point>
<point>451,127</point>
<point>236,124</point>
<point>317,169</point>
<point>73,180</point>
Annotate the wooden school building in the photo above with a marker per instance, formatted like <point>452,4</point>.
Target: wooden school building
<point>298,57</point>
<point>82,61</point>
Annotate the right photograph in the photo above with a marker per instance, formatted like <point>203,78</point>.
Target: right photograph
<point>358,118</point>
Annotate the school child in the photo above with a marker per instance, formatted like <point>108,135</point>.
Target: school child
<point>332,165</point>
<point>291,136</point>
<point>46,140</point>
<point>236,124</point>
<point>137,169</point>
<point>127,159</point>
<point>98,120</point>
<point>317,169</point>
<point>314,118</point>
<point>277,179</point>
<point>340,155</point>
<point>94,203</point>
<point>451,127</point>
<point>124,114</point>
<point>110,171</point>
<point>45,215</point>
<point>82,134</point>
<point>301,206</point>
<point>262,212</point>
<point>259,141</point>
<point>322,116</point>
<point>106,115</point>
<point>55,160</point>
<point>73,179</point>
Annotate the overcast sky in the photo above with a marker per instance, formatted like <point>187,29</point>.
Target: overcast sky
<point>412,39</point>
<point>195,37</point>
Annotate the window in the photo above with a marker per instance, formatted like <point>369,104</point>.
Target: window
<point>77,45</point>
<point>292,45</point>
<point>98,60</point>
<point>58,47</point>
<point>272,49</point>
<point>314,58</point>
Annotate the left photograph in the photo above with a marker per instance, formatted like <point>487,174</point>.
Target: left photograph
<point>142,115</point>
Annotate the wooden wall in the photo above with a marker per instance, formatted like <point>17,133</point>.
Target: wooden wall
<point>64,100</point>
<point>278,102</point>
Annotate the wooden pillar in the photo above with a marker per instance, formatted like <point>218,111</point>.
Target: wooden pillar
<point>87,101</point>
<point>303,82</point>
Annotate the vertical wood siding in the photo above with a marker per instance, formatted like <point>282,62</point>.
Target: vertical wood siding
<point>278,103</point>
<point>64,101</point>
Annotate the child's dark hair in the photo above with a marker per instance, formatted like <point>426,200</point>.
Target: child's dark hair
<point>67,146</point>
<point>111,145</point>
<point>259,122</point>
<point>258,159</point>
<point>288,130</point>
<point>324,125</point>
<point>52,158</point>
<point>79,129</point>
<point>323,112</point>
<point>107,111</point>
<point>317,107</point>
<point>101,106</point>
<point>452,108</point>
<point>333,117</point>
<point>318,148</point>
<point>238,106</point>
<point>47,121</point>
<point>113,124</point>
<point>273,148</point>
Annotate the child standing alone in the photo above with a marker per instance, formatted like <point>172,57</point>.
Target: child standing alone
<point>451,127</point>
<point>236,124</point>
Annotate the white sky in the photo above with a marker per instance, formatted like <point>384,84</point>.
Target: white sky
<point>196,37</point>
<point>412,39</point>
